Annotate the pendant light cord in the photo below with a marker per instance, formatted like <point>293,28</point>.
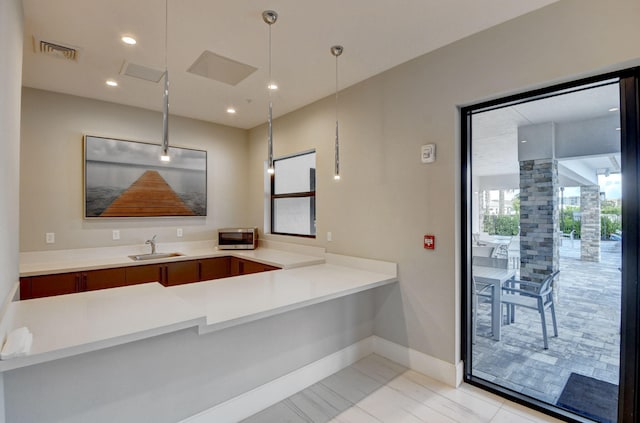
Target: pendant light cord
<point>270,17</point>
<point>165,103</point>
<point>337,51</point>
<point>270,88</point>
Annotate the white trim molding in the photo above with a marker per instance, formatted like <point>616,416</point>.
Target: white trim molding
<point>445,372</point>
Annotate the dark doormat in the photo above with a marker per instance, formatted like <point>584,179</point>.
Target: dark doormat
<point>591,398</point>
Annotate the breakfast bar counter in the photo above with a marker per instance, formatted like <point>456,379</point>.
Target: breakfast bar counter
<point>68,325</point>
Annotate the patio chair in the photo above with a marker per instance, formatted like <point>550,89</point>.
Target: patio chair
<point>478,291</point>
<point>534,295</point>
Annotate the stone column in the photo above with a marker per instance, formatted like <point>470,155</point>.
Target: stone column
<point>539,219</point>
<point>590,223</point>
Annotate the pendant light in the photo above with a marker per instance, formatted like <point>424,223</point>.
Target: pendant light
<point>165,98</point>
<point>337,51</point>
<point>270,17</point>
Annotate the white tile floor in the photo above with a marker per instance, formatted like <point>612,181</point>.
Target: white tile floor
<point>377,390</point>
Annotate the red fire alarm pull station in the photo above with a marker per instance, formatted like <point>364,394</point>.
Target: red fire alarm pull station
<point>429,242</point>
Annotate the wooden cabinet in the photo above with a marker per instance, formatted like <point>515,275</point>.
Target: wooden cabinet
<point>244,267</point>
<point>215,268</point>
<point>144,274</point>
<point>181,272</point>
<point>168,274</point>
<point>48,285</point>
<point>103,279</point>
<point>68,283</point>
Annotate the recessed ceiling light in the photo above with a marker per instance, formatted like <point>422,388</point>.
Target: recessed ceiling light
<point>231,110</point>
<point>614,109</point>
<point>111,83</point>
<point>523,141</point>
<point>272,86</point>
<point>128,40</point>
<point>618,129</point>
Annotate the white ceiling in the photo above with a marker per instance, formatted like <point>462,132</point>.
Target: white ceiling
<point>495,132</point>
<point>376,34</point>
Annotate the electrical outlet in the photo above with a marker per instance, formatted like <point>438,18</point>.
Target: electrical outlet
<point>179,232</point>
<point>50,238</point>
<point>116,234</point>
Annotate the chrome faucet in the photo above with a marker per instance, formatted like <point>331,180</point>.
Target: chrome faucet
<point>152,242</point>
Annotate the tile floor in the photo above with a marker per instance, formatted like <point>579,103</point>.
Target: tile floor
<point>588,312</point>
<point>376,390</point>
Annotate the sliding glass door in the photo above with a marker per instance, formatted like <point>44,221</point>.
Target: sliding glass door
<point>549,229</point>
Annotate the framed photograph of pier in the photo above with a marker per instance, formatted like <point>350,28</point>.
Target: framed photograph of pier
<point>128,179</point>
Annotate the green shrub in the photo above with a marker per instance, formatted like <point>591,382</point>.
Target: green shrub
<point>501,225</point>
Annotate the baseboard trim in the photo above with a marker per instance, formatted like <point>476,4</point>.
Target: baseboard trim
<point>445,372</point>
<point>251,402</point>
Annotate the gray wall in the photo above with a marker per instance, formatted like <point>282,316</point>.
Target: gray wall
<point>11,22</point>
<point>11,40</point>
<point>171,377</point>
<point>387,200</point>
<point>51,177</point>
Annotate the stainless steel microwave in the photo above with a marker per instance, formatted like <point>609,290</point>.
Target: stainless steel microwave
<point>237,238</point>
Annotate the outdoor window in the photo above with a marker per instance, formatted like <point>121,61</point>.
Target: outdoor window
<point>293,195</point>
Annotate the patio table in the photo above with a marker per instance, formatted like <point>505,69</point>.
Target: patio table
<point>494,277</point>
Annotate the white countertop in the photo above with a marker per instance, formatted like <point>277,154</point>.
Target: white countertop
<point>68,325</point>
<point>233,301</point>
<point>64,261</point>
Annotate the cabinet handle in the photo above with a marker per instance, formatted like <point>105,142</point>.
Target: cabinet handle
<point>77,283</point>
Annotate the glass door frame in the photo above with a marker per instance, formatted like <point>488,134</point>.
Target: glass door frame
<point>629,401</point>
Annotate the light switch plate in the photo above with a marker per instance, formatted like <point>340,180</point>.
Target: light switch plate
<point>50,238</point>
<point>428,153</point>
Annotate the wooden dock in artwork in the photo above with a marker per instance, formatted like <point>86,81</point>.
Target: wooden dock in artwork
<point>150,195</point>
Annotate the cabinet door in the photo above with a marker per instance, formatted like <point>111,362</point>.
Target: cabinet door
<point>25,288</point>
<point>144,274</point>
<point>49,285</point>
<point>215,268</point>
<point>180,272</point>
<point>248,267</point>
<point>235,266</point>
<point>104,278</point>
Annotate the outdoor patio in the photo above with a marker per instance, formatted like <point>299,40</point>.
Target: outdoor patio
<point>588,343</point>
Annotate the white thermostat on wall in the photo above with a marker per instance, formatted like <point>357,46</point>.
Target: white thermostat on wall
<point>428,153</point>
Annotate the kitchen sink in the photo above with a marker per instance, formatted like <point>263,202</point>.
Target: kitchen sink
<point>153,256</point>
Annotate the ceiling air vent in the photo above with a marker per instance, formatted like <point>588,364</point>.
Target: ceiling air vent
<point>141,72</point>
<point>55,49</point>
<point>220,68</point>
